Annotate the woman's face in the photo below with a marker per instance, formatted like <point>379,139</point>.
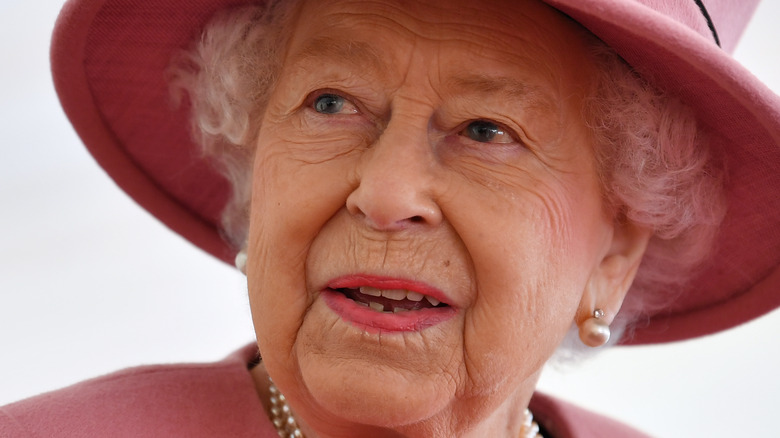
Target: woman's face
<point>434,151</point>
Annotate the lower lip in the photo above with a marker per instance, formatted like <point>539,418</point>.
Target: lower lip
<point>372,321</point>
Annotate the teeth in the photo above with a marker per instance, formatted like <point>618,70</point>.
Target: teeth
<point>372,291</point>
<point>394,294</point>
<point>399,310</point>
<point>414,296</point>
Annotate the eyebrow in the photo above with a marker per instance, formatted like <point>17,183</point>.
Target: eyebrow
<point>365,57</point>
<point>514,89</point>
<point>355,53</point>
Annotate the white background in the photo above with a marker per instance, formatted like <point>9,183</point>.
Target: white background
<point>90,283</point>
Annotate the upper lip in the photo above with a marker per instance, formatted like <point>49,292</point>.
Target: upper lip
<point>355,281</point>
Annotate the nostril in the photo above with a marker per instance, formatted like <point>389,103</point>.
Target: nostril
<point>387,207</point>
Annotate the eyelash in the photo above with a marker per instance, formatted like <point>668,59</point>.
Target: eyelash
<point>480,126</point>
<point>313,98</point>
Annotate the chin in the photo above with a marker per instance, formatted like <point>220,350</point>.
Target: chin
<point>362,386</point>
<point>385,404</point>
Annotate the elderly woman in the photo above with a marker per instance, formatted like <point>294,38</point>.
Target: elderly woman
<point>429,200</point>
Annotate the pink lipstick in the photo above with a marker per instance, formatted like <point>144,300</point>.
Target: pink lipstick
<point>384,304</point>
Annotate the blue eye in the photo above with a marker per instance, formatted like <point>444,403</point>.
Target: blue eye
<point>486,132</point>
<point>329,104</point>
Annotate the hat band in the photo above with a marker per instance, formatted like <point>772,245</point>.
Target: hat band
<point>710,24</point>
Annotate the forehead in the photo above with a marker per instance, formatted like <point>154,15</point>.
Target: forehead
<point>381,30</point>
<point>521,50</point>
<point>434,18</point>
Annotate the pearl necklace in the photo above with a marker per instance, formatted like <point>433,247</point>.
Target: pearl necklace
<point>281,414</point>
<point>286,426</point>
<point>530,428</point>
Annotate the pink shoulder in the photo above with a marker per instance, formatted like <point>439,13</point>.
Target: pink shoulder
<point>565,420</point>
<point>192,400</point>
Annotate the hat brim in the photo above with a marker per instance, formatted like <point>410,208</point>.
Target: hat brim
<point>109,59</point>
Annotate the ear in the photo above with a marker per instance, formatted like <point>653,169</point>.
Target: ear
<point>611,279</point>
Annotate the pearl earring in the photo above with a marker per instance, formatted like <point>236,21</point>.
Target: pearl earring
<point>241,261</point>
<point>594,332</point>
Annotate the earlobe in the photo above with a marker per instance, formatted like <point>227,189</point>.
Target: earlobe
<point>612,277</point>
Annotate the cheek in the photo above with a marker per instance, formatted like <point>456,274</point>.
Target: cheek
<point>531,260</point>
<point>292,199</point>
<point>298,184</point>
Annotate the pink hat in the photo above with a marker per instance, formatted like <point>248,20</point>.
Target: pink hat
<point>109,58</point>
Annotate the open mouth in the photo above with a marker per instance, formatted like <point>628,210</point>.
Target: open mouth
<point>387,304</point>
<point>390,300</point>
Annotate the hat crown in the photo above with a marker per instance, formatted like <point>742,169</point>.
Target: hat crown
<point>724,20</point>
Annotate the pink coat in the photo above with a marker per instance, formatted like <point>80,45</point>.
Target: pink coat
<point>210,400</point>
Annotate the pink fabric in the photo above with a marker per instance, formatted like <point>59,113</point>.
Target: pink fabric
<point>189,400</point>
<point>210,400</point>
<point>565,420</point>
<point>110,75</point>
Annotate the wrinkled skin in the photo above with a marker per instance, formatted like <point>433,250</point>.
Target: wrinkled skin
<point>442,142</point>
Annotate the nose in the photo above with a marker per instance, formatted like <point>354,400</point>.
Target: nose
<point>396,188</point>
